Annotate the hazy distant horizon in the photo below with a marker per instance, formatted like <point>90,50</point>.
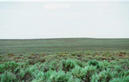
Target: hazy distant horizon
<point>67,37</point>
<point>29,20</point>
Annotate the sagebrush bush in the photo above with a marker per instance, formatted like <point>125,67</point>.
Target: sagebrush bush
<point>79,72</point>
<point>60,76</point>
<point>90,70</point>
<point>8,66</point>
<point>53,65</point>
<point>25,75</point>
<point>118,68</point>
<point>68,64</point>
<point>68,70</point>
<point>7,77</point>
<point>104,65</point>
<point>39,77</point>
<point>93,63</point>
<point>124,79</point>
<point>104,76</point>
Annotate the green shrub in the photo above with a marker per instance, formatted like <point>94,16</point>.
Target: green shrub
<point>90,70</point>
<point>79,72</point>
<point>60,76</point>
<point>69,70</point>
<point>104,76</point>
<point>39,77</point>
<point>49,74</point>
<point>104,65</point>
<point>80,63</point>
<point>117,80</point>
<point>8,66</point>
<point>53,65</point>
<point>7,77</point>
<point>84,73</point>
<point>93,63</point>
<point>94,78</point>
<point>124,79</point>
<point>25,75</point>
<point>68,64</point>
<point>126,73</point>
<point>118,68</point>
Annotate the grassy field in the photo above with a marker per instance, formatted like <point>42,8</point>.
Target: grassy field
<point>61,45</point>
<point>64,60</point>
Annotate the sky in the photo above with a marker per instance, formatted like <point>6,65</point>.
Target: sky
<point>64,0</point>
<point>53,19</point>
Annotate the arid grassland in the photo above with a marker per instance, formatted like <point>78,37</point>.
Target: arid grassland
<point>64,60</point>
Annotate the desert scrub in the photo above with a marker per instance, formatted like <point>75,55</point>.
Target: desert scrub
<point>79,72</point>
<point>104,65</point>
<point>84,74</point>
<point>60,76</point>
<point>124,79</point>
<point>94,63</point>
<point>28,73</point>
<point>39,77</point>
<point>24,75</point>
<point>65,70</point>
<point>68,64</point>
<point>8,77</point>
<point>8,66</point>
<point>90,70</point>
<point>104,76</point>
<point>53,65</point>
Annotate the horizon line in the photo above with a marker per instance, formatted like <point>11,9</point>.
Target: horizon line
<point>59,38</point>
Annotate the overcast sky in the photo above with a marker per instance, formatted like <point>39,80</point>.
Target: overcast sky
<point>26,20</point>
<point>66,0</point>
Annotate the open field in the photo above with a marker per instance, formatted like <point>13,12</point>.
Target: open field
<point>64,60</point>
<point>61,45</point>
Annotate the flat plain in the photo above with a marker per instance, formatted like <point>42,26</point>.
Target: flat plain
<point>64,60</point>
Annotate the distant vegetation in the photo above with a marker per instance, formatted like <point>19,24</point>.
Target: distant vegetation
<point>61,45</point>
<point>64,60</point>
